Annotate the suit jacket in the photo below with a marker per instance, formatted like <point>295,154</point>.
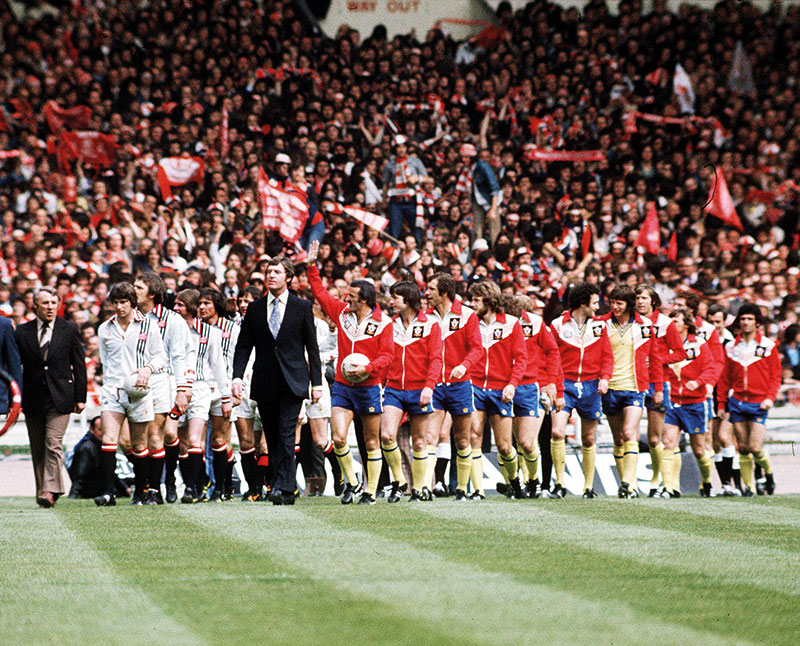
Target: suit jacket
<point>284,355</point>
<point>9,361</point>
<point>61,377</point>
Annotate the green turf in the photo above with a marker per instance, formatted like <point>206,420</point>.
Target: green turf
<point>686,571</point>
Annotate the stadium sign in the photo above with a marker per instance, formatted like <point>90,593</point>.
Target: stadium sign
<point>462,18</point>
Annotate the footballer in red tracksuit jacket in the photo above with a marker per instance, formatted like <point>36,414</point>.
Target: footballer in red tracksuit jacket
<point>410,380</point>
<point>363,328</point>
<point>496,376</point>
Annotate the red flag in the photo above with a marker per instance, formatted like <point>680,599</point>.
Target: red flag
<point>178,171</point>
<point>672,248</point>
<point>650,233</point>
<point>281,211</point>
<point>76,118</point>
<point>367,217</point>
<point>720,203</point>
<point>93,148</point>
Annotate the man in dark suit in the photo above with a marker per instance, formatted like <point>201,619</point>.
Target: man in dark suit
<point>53,386</point>
<point>280,326</point>
<point>9,361</point>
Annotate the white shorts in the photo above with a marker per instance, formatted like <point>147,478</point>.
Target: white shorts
<point>137,411</point>
<point>216,405</point>
<point>201,401</point>
<point>322,409</point>
<point>247,409</point>
<point>162,386</point>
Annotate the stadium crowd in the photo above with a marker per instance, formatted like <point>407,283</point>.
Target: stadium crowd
<point>132,137</point>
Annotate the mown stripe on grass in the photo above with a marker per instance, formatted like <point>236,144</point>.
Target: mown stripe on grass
<point>755,525</point>
<point>607,531</point>
<point>227,590</point>
<point>656,577</point>
<point>377,553</point>
<point>58,589</point>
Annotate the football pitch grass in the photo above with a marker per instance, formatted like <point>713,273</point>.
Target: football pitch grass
<point>607,571</point>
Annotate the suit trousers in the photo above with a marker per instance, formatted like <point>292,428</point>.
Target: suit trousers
<point>279,414</point>
<point>46,436</point>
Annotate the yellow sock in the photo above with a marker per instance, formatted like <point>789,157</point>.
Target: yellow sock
<point>374,465</point>
<point>618,451</point>
<point>532,462</point>
<point>430,466</point>
<point>391,453</point>
<point>558,449</point>
<point>419,466</point>
<point>668,469</point>
<point>509,463</point>
<point>656,456</point>
<point>522,464</point>
<point>588,453</point>
<point>762,460</point>
<point>677,463</point>
<point>463,467</point>
<point>345,458</point>
<point>476,471</point>
<point>746,468</point>
<point>630,460</point>
<point>706,464</point>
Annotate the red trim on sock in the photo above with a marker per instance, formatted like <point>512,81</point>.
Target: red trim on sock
<point>141,454</point>
<point>297,448</point>
<point>158,454</point>
<point>110,448</point>
<point>196,449</point>
<point>247,451</point>
<point>175,443</point>
<point>328,448</point>
<point>220,448</point>
<point>230,454</point>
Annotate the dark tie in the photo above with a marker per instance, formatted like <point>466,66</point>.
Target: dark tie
<point>45,346</point>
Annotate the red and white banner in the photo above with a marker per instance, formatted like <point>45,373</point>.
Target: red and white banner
<point>281,211</point>
<point>539,154</point>
<point>179,171</point>
<point>93,148</point>
<point>10,154</point>
<point>367,217</point>
<point>77,118</point>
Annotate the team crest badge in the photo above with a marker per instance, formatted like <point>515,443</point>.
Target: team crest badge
<point>702,334</point>
<point>527,330</point>
<point>371,409</point>
<point>598,331</point>
<point>691,353</point>
<point>455,324</point>
<point>416,332</point>
<point>497,334</point>
<point>646,331</point>
<point>761,351</point>
<point>371,329</point>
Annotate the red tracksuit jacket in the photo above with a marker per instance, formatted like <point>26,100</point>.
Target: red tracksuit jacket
<point>582,358</point>
<point>503,355</point>
<point>671,347</point>
<point>544,362</point>
<point>372,337</point>
<point>417,361</point>
<point>697,365</point>
<point>461,340</point>
<point>752,370</point>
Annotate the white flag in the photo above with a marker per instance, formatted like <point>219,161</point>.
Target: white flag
<point>682,86</point>
<point>740,78</point>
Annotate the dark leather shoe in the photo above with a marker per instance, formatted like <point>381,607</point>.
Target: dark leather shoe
<point>288,498</point>
<point>46,500</point>
<point>276,497</point>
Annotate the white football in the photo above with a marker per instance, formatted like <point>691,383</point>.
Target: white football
<point>130,387</point>
<point>351,361</point>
